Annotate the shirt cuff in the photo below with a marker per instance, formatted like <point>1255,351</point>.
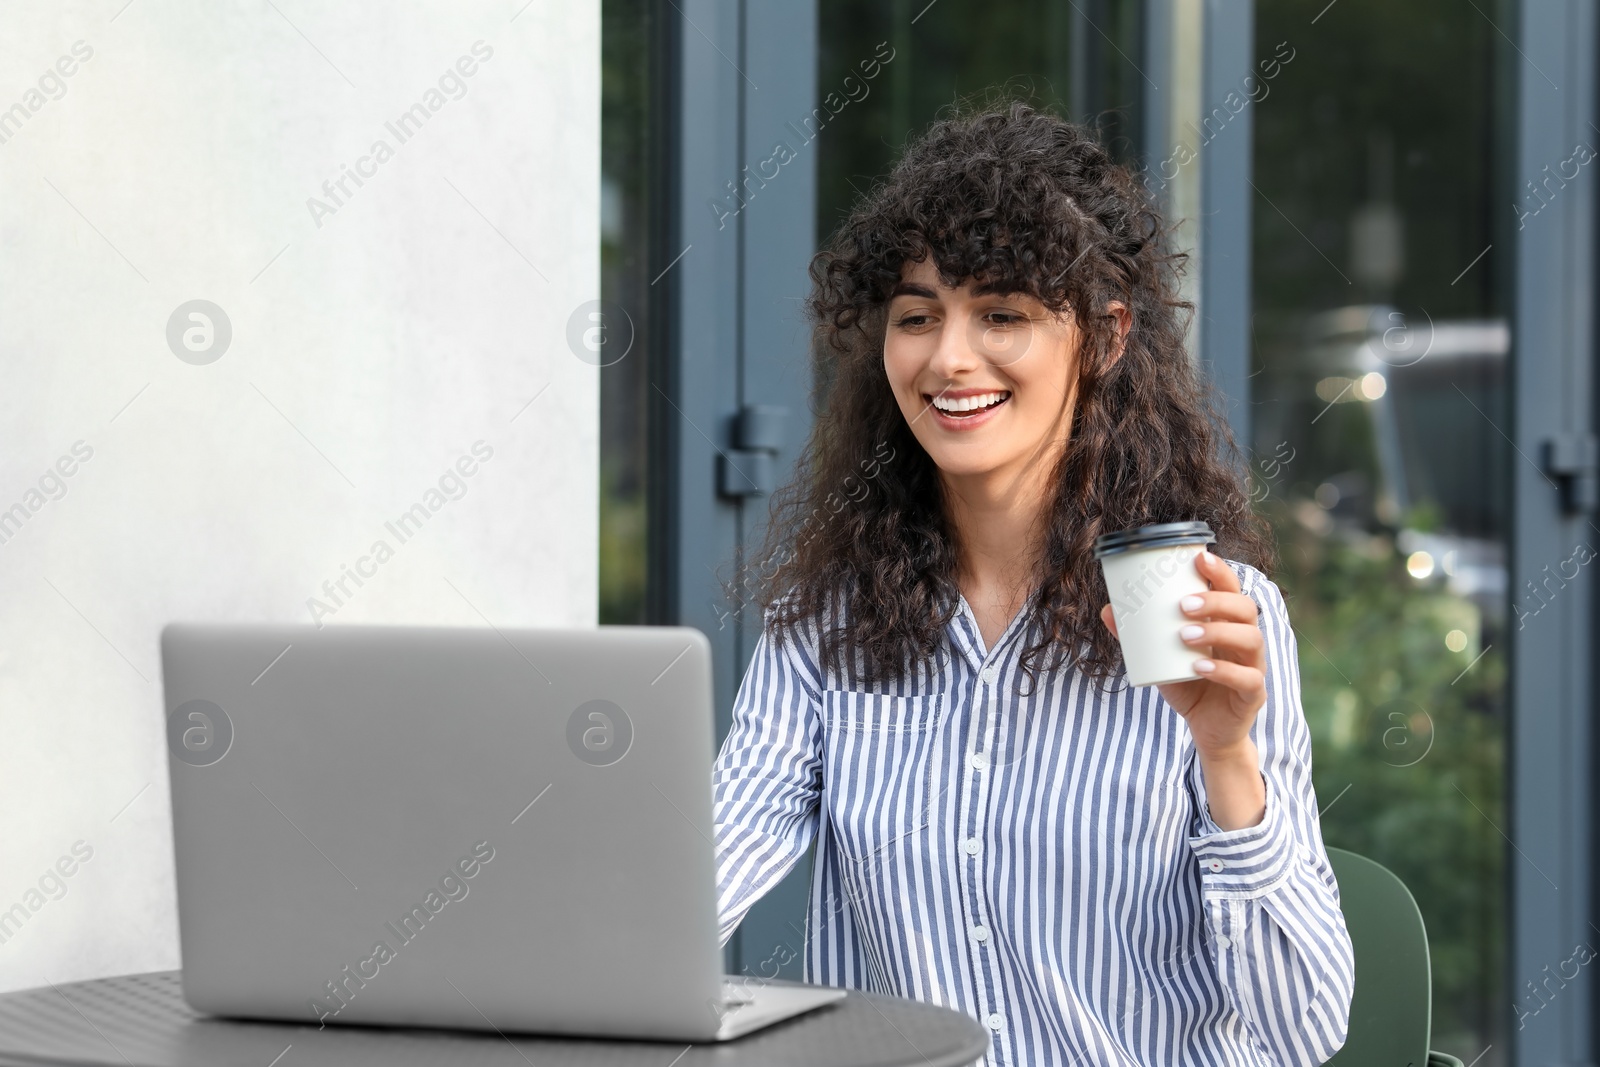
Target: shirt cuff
<point>1249,862</point>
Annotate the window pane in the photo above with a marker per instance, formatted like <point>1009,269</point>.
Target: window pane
<point>1054,53</point>
<point>626,61</point>
<point>1379,380</point>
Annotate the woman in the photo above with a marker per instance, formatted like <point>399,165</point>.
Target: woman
<point>1100,874</point>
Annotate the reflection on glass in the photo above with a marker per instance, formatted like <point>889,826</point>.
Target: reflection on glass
<point>1072,58</point>
<point>1379,378</point>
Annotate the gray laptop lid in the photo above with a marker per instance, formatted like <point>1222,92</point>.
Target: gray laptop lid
<point>446,827</point>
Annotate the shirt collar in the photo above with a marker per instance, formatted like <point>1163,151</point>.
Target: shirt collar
<point>969,639</point>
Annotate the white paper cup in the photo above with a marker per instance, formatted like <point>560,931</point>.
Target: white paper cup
<point>1147,571</point>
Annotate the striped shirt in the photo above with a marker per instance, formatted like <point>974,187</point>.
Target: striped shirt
<point>1040,856</point>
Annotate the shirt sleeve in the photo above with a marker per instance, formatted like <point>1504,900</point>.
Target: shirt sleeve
<point>767,778</point>
<point>1276,935</point>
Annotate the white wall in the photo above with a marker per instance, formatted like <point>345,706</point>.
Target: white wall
<point>418,318</point>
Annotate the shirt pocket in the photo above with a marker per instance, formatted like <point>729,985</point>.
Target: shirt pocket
<point>879,754</point>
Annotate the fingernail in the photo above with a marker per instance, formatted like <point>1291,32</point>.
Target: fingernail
<point>1208,557</point>
<point>1191,633</point>
<point>1191,603</point>
<point>1204,666</point>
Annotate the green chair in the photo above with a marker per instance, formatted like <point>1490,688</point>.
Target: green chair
<point>1391,1014</point>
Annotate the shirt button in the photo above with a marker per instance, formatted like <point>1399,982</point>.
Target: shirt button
<point>972,846</point>
<point>1223,943</point>
<point>1213,865</point>
<point>996,1021</point>
<point>980,933</point>
<point>989,675</point>
<point>978,760</point>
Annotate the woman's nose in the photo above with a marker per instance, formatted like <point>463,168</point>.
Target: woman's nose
<point>956,351</point>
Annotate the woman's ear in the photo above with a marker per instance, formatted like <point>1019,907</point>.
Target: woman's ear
<point>1117,310</point>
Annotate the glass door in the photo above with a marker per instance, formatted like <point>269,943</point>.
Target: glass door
<point>1378,397</point>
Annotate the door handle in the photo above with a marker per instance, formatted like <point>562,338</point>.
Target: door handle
<point>1573,459</point>
<point>750,468</point>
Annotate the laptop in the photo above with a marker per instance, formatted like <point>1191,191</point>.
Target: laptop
<point>477,828</point>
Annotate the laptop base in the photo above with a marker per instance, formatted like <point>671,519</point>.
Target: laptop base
<point>752,1004</point>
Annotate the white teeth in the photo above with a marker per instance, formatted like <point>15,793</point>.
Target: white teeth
<point>968,403</point>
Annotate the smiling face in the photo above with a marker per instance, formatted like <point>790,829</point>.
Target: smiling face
<point>986,380</point>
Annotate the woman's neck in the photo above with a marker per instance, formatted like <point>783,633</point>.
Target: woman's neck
<point>998,525</point>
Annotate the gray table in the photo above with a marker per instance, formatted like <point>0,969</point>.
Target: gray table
<point>141,1020</point>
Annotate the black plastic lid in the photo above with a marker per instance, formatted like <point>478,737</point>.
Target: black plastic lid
<point>1159,536</point>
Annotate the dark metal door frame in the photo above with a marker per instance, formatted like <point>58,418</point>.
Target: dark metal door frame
<point>741,230</point>
<point>1551,756</point>
<point>731,281</point>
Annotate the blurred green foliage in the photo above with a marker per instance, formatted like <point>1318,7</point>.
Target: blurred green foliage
<point>622,549</point>
<point>627,180</point>
<point>1408,746</point>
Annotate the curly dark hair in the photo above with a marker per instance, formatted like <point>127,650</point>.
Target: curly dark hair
<point>1018,197</point>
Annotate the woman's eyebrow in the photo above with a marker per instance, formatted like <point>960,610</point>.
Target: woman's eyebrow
<point>918,289</point>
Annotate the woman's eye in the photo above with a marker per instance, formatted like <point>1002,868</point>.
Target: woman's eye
<point>912,321</point>
<point>1005,318</point>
